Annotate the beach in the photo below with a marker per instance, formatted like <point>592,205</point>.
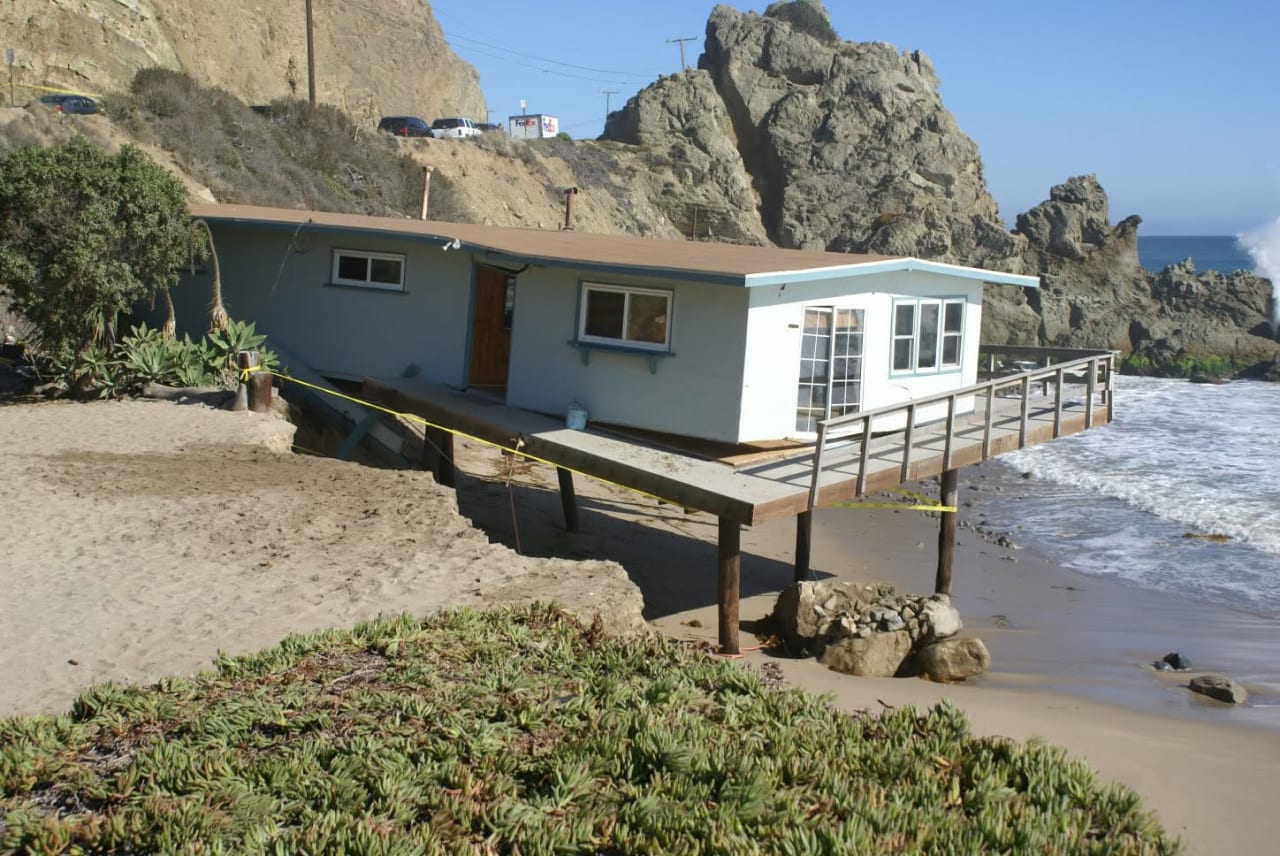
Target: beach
<point>144,537</point>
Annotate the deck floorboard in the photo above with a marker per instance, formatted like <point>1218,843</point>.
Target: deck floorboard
<point>750,494</point>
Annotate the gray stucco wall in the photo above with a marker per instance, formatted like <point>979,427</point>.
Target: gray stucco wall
<point>281,281</point>
<point>696,390</point>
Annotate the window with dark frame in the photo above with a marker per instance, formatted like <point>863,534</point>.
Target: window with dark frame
<point>384,271</point>
<point>625,316</point>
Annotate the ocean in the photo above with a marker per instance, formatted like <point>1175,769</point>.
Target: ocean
<point>1181,493</point>
<point>1222,253</point>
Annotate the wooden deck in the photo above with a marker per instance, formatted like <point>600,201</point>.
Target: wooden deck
<point>853,457</point>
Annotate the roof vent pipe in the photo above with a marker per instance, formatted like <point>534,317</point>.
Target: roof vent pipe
<point>426,189</point>
<point>569,193</point>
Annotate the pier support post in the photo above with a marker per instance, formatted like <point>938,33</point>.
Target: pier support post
<point>804,542</point>
<point>730,570</point>
<point>947,531</point>
<point>568,500</point>
<point>437,455</point>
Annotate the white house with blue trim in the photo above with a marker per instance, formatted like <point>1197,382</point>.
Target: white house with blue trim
<point>715,341</point>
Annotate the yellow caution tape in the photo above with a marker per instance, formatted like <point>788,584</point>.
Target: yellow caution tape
<point>413,417</point>
<point>927,504</point>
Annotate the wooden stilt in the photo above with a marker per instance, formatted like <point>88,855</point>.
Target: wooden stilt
<point>568,500</point>
<point>947,531</point>
<point>448,476</point>
<point>437,455</point>
<point>804,542</point>
<point>730,567</point>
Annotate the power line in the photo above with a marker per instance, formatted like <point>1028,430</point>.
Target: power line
<point>606,93</point>
<point>544,70</point>
<point>539,58</point>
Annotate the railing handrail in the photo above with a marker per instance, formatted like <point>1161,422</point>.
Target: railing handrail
<point>1088,361</point>
<point>1006,380</point>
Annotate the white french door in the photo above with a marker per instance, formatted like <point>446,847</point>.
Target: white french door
<point>830,365</point>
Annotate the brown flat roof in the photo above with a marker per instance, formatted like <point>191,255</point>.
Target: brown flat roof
<point>564,247</point>
<point>733,264</point>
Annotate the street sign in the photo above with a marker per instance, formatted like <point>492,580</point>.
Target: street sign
<point>8,56</point>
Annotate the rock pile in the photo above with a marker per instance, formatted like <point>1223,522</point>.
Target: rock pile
<point>877,631</point>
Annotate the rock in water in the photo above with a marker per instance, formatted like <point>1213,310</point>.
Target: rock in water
<point>879,655</point>
<point>953,660</point>
<point>1176,661</point>
<point>1220,688</point>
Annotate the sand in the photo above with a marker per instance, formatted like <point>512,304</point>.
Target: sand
<point>142,537</point>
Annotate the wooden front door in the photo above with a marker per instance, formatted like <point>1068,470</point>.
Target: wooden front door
<point>491,329</point>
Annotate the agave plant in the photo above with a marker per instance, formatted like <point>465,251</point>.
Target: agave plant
<point>147,355</point>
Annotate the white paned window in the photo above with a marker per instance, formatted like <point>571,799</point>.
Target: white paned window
<point>624,316</point>
<point>928,335</point>
<point>830,366</point>
<point>368,270</point>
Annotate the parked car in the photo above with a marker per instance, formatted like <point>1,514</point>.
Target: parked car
<point>454,127</point>
<point>489,128</point>
<point>67,103</point>
<point>405,126</point>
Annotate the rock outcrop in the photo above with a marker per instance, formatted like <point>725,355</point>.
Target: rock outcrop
<point>1095,294</point>
<point>847,146</point>
<point>371,59</point>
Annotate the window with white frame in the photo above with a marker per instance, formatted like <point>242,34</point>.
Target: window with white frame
<point>368,270</point>
<point>928,335</point>
<point>625,316</point>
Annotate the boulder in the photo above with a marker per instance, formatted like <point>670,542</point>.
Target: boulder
<point>1220,688</point>
<point>952,659</point>
<point>807,611</point>
<point>939,619</point>
<point>878,655</point>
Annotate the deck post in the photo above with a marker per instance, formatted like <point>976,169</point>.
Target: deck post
<point>568,500</point>
<point>730,570</point>
<point>804,540</point>
<point>947,531</point>
<point>437,455</point>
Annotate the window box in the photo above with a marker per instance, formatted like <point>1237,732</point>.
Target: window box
<point>362,269</point>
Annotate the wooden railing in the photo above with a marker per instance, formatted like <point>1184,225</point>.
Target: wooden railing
<point>1094,369</point>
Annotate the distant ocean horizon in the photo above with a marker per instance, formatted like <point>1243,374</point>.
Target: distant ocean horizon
<point>1222,253</point>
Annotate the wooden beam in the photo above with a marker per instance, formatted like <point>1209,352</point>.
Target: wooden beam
<point>804,542</point>
<point>947,531</point>
<point>568,500</point>
<point>729,588</point>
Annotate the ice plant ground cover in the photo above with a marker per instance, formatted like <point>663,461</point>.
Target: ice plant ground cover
<point>524,731</point>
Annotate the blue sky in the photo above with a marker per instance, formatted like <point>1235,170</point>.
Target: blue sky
<point>1174,105</point>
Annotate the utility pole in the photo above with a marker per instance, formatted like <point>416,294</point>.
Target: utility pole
<point>681,43</point>
<point>311,59</point>
<point>606,93</point>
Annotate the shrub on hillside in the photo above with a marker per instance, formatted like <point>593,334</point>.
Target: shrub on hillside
<point>292,155</point>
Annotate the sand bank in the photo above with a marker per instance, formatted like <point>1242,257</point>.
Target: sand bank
<point>142,537</point>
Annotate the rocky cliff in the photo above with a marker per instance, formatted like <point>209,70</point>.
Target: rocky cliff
<point>372,57</point>
<point>848,147</point>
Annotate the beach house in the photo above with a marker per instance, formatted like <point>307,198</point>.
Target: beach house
<point>749,383</point>
<point>727,343</point>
